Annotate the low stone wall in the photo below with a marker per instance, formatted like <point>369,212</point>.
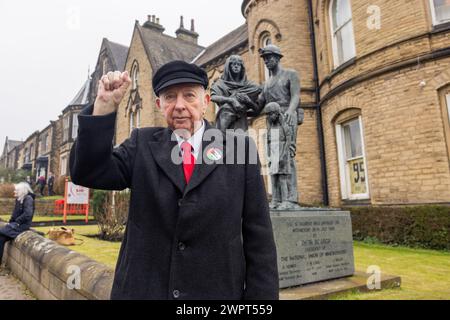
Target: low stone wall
<point>54,272</point>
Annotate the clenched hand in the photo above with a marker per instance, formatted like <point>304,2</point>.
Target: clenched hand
<point>111,90</point>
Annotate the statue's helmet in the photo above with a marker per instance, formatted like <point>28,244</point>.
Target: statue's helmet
<point>270,50</point>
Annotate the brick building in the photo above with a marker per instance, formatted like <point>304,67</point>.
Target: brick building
<point>150,48</point>
<point>375,81</point>
<point>375,88</point>
<point>10,154</point>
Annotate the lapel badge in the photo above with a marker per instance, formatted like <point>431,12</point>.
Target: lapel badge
<point>214,154</point>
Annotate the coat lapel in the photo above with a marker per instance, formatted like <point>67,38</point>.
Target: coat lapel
<point>162,150</point>
<point>206,166</point>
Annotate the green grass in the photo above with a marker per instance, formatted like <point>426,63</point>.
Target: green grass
<point>425,273</point>
<point>50,218</point>
<point>50,198</point>
<point>103,251</point>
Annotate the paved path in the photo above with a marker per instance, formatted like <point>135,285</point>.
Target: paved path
<point>11,288</point>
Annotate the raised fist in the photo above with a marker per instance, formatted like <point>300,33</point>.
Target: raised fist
<point>111,90</point>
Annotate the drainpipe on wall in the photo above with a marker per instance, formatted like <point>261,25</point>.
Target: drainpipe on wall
<point>323,166</point>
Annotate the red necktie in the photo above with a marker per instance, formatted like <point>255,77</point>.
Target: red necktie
<point>188,160</point>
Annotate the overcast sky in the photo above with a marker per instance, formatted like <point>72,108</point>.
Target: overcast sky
<point>47,46</point>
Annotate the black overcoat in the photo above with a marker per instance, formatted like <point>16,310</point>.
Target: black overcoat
<point>210,239</point>
<point>21,217</point>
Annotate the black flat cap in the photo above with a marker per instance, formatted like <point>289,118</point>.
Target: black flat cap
<point>178,72</point>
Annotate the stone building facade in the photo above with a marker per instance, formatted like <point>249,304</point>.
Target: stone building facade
<point>375,87</point>
<point>150,48</point>
<point>10,155</point>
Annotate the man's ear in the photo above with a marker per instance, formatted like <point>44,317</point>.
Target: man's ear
<point>206,101</point>
<point>158,103</point>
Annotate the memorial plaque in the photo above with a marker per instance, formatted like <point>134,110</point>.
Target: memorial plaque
<point>313,245</point>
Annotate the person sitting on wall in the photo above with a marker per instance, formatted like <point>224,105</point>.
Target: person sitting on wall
<point>21,217</point>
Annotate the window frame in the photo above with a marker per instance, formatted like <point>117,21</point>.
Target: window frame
<point>131,123</point>
<point>135,76</point>
<point>334,42</point>
<point>63,160</point>
<point>74,131</point>
<point>444,101</point>
<point>66,129</point>
<point>344,172</point>
<point>434,16</point>
<point>266,39</point>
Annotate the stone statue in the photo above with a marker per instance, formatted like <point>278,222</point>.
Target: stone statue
<point>281,98</point>
<point>235,95</point>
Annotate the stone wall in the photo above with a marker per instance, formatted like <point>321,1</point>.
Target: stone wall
<point>50,271</point>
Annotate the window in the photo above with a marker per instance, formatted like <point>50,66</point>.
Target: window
<point>132,123</point>
<point>352,162</point>
<point>440,11</point>
<point>27,155</point>
<point>31,156</point>
<point>74,126</point>
<point>44,143</point>
<point>265,41</point>
<point>138,118</point>
<point>342,31</point>
<point>63,166</point>
<point>444,96</point>
<point>135,76</point>
<point>66,124</point>
<point>447,100</point>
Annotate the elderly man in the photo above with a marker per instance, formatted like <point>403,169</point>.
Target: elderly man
<point>197,228</point>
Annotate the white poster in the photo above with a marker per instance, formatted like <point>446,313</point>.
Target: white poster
<point>77,194</point>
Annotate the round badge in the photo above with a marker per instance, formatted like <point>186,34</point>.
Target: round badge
<point>214,154</point>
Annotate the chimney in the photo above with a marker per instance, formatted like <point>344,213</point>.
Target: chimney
<point>185,34</point>
<point>152,23</point>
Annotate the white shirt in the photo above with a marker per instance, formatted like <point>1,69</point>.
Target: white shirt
<point>195,141</point>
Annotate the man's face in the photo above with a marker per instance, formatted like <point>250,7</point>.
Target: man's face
<point>271,61</point>
<point>236,67</point>
<point>183,106</point>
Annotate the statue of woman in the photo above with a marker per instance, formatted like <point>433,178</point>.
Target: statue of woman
<point>235,95</point>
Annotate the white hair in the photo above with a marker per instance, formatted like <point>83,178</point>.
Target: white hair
<point>22,189</point>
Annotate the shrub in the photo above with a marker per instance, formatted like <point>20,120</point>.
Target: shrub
<point>111,212</point>
<point>59,185</point>
<point>418,226</point>
<point>13,176</point>
<point>7,190</point>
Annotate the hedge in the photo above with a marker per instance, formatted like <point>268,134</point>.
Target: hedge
<point>416,226</point>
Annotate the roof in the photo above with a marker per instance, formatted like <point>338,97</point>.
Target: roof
<point>82,96</point>
<point>119,54</point>
<point>13,143</point>
<point>9,145</point>
<point>224,45</point>
<point>162,48</point>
